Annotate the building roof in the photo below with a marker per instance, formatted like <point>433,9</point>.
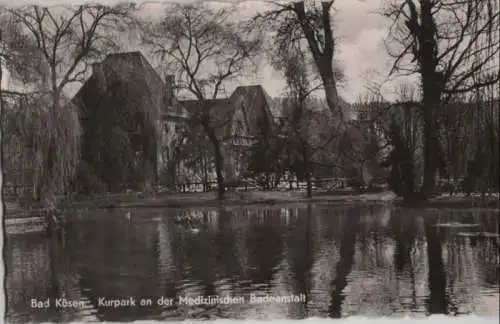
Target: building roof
<point>257,91</point>
<point>127,66</point>
<point>251,101</point>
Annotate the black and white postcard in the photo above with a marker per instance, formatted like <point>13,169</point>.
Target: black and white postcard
<point>256,160</point>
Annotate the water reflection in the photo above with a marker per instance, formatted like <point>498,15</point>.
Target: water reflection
<point>347,260</point>
<point>437,301</point>
<point>344,265</point>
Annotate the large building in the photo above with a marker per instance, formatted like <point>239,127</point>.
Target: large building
<point>120,105</point>
<point>126,101</point>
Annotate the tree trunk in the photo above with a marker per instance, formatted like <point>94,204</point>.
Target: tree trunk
<point>307,172</point>
<point>431,151</point>
<point>219,161</point>
<point>332,98</point>
<point>205,173</point>
<point>345,263</point>
<point>437,302</point>
<point>432,88</point>
<point>323,59</point>
<point>309,185</point>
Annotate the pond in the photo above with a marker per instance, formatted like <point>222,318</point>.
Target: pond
<point>256,262</point>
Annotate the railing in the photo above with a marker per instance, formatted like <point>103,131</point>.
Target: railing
<point>12,191</point>
<point>283,185</point>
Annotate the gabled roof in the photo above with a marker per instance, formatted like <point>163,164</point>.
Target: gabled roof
<point>122,81</point>
<point>131,58</point>
<point>259,92</point>
<point>256,106</point>
<point>252,101</point>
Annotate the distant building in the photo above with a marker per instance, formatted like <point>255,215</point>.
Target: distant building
<point>238,121</point>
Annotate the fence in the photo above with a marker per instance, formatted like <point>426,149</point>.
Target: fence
<point>284,185</point>
<point>326,184</point>
<point>15,190</point>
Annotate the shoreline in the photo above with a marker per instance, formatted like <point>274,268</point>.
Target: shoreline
<point>200,200</point>
<point>33,221</point>
<point>263,198</point>
<point>249,198</point>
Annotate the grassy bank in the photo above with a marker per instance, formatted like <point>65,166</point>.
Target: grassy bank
<point>462,201</point>
<point>209,199</point>
<point>251,198</point>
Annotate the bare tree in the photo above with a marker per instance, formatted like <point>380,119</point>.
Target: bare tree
<point>372,115</point>
<point>309,25</point>
<point>299,117</point>
<point>307,132</point>
<point>208,50</point>
<point>295,22</point>
<point>62,41</point>
<point>438,40</point>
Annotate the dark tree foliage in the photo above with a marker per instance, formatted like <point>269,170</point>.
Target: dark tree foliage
<point>119,117</point>
<point>266,158</point>
<point>401,176</point>
<point>452,46</point>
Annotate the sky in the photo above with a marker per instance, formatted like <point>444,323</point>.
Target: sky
<point>360,31</point>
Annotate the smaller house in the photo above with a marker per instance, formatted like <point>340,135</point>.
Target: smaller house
<point>238,122</point>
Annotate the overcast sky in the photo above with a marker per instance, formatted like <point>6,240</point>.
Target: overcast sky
<point>360,31</point>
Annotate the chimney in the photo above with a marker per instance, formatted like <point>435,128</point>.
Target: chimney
<point>169,88</point>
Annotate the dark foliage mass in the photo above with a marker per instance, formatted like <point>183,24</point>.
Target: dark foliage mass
<point>402,174</point>
<point>120,105</point>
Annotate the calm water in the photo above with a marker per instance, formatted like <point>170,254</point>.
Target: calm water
<point>358,260</point>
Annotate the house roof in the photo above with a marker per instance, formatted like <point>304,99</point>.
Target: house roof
<point>257,91</point>
<point>138,81</point>
<point>255,105</point>
<point>252,101</point>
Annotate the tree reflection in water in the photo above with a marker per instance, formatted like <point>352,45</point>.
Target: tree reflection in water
<point>265,247</point>
<point>226,257</point>
<point>437,301</point>
<point>404,230</point>
<point>245,250</point>
<point>53,292</point>
<point>301,254</point>
<point>344,265</point>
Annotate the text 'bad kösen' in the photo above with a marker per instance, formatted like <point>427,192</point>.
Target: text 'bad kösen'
<point>164,301</point>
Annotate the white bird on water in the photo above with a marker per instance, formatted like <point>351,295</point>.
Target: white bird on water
<point>127,215</point>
